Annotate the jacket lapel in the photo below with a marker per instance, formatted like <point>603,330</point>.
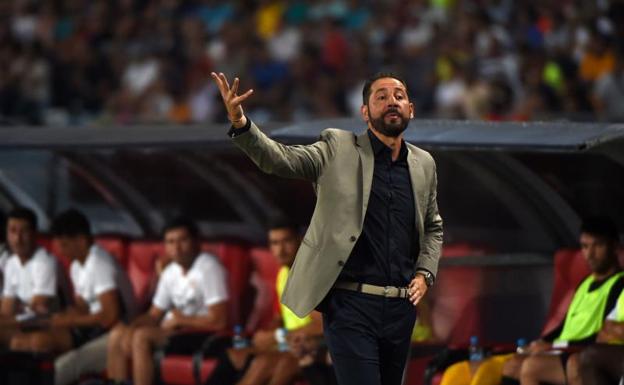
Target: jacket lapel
<point>367,165</point>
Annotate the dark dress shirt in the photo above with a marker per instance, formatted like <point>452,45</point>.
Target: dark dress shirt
<point>385,254</point>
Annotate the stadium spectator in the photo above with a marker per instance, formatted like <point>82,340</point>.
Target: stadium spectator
<point>102,292</point>
<point>608,93</point>
<point>263,362</point>
<point>31,284</point>
<point>191,294</point>
<point>138,62</point>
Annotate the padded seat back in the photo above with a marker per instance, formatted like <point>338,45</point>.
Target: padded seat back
<point>235,258</point>
<point>141,268</point>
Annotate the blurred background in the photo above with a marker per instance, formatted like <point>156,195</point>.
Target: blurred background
<point>102,62</point>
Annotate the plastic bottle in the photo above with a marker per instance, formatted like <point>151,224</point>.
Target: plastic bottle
<point>238,341</point>
<point>475,352</point>
<point>282,343</point>
<point>521,346</point>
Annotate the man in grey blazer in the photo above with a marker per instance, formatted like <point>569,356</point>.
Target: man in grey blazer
<point>373,244</point>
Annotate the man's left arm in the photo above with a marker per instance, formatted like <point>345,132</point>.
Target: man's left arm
<point>431,245</point>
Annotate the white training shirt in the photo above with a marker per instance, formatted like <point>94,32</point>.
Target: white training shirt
<point>38,276</point>
<point>99,274</point>
<point>203,285</point>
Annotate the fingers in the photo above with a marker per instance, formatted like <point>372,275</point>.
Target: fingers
<point>234,86</point>
<point>217,80</point>
<point>416,292</point>
<point>224,80</point>
<point>240,99</point>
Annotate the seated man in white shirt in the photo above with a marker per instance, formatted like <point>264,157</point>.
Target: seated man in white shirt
<point>191,294</point>
<point>102,292</point>
<point>30,284</point>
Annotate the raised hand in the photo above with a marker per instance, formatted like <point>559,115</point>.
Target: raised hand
<point>231,100</point>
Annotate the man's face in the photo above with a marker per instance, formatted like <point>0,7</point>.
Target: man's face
<point>21,237</point>
<point>180,246</point>
<point>284,244</point>
<point>388,110</point>
<point>598,252</point>
<point>72,247</point>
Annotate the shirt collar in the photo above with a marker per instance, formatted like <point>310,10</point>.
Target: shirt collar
<point>379,146</point>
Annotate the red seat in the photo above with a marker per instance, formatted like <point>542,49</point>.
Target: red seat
<point>266,307</point>
<point>455,314</point>
<point>235,258</point>
<point>569,270</point>
<point>464,250</point>
<point>116,245</point>
<point>141,268</point>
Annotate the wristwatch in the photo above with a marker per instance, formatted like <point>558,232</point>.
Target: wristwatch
<point>429,278</point>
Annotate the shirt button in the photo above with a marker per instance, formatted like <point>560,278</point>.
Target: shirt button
<point>341,263</point>
<point>353,238</point>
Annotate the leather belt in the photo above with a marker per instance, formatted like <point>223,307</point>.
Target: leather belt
<point>384,291</point>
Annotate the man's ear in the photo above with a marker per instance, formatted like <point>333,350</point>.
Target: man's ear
<point>364,112</point>
<point>411,110</point>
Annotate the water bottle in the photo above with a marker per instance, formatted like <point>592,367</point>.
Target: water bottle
<point>521,346</point>
<point>282,343</point>
<point>238,341</point>
<point>475,352</point>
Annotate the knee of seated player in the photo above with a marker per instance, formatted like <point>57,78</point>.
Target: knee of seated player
<point>124,345</point>
<point>141,338</point>
<point>512,367</point>
<point>533,367</point>
<point>20,342</point>
<point>573,365</point>
<point>287,361</point>
<point>116,338</point>
<point>40,342</point>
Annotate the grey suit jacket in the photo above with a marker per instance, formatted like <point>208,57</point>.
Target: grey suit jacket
<point>341,167</point>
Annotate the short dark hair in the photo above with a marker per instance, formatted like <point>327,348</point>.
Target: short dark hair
<point>366,91</point>
<point>25,214</point>
<point>282,222</point>
<point>184,223</point>
<point>71,223</point>
<point>600,226</point>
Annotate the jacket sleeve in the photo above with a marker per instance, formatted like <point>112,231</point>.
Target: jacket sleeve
<point>431,246</point>
<point>296,161</point>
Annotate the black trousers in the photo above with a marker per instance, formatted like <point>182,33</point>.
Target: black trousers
<point>368,336</point>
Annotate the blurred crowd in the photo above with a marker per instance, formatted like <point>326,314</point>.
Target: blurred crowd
<point>73,62</point>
